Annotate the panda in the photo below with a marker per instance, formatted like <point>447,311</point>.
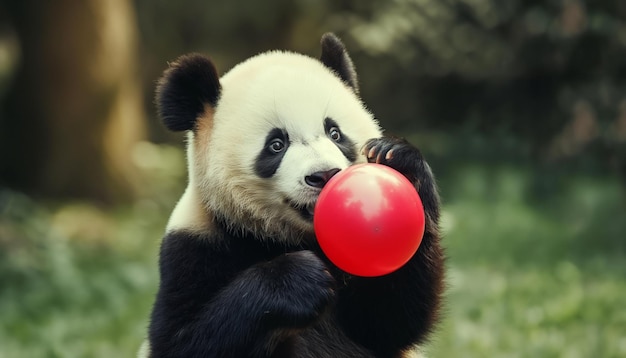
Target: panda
<point>241,272</point>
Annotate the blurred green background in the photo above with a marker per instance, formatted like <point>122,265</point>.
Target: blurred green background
<point>519,106</point>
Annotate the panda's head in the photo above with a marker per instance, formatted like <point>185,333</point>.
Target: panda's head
<point>265,138</point>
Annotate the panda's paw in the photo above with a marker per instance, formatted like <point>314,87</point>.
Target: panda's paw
<point>396,153</point>
<point>304,287</point>
<point>402,156</point>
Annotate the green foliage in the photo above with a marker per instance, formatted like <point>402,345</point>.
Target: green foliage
<point>63,298</point>
<point>526,117</point>
<point>527,277</point>
<point>77,281</point>
<point>533,279</point>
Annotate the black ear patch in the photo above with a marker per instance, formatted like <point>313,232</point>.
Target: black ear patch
<point>185,89</point>
<point>335,56</point>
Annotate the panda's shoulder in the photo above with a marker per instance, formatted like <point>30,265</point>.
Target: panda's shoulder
<point>183,247</point>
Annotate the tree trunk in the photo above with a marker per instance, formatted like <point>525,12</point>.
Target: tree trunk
<point>75,109</point>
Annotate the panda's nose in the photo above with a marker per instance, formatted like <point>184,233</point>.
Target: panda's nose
<point>319,179</point>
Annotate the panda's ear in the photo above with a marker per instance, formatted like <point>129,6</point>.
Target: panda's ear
<point>335,56</point>
<point>187,87</point>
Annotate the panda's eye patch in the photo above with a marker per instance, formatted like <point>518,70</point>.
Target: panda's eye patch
<point>277,145</point>
<point>341,140</point>
<point>332,130</point>
<point>334,134</point>
<point>270,156</point>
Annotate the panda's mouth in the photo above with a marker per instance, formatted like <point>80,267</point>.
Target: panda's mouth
<point>306,211</point>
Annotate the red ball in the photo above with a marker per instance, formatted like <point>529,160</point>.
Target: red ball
<point>369,220</point>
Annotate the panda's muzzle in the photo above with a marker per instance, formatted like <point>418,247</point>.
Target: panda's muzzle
<point>315,180</point>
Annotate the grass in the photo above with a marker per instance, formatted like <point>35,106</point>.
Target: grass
<point>528,275</point>
<point>533,278</point>
<point>62,298</point>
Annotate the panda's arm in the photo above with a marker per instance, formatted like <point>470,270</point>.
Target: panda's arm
<point>225,302</point>
<point>398,310</point>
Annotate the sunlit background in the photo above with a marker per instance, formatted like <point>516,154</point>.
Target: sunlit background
<point>519,106</point>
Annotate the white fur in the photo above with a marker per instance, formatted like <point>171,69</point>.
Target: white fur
<point>190,213</point>
<point>144,350</point>
<point>272,90</point>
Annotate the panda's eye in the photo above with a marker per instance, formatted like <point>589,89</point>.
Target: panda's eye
<point>334,134</point>
<point>276,145</point>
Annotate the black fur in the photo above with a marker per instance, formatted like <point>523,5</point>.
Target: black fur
<point>252,298</point>
<point>185,89</point>
<point>335,57</point>
<point>345,144</point>
<point>228,301</point>
<point>267,162</point>
<point>231,294</point>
